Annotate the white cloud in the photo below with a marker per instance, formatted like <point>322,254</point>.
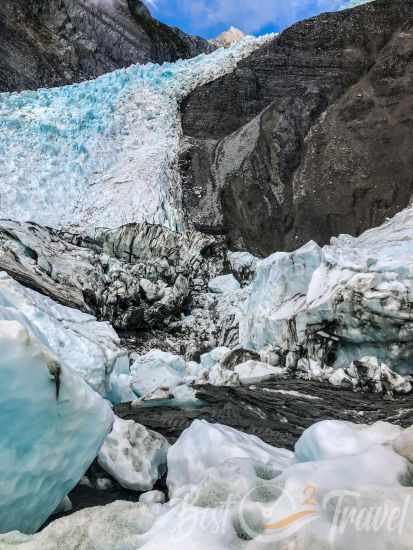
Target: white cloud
<point>248,15</point>
<point>151,3</point>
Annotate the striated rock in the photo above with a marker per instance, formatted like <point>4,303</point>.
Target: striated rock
<point>277,411</point>
<point>44,44</point>
<point>309,136</point>
<point>139,275</point>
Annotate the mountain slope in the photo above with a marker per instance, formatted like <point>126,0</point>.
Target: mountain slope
<point>309,137</point>
<point>44,44</point>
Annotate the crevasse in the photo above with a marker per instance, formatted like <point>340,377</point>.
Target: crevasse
<point>103,152</point>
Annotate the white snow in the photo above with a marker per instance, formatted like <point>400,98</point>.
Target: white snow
<point>228,37</point>
<point>103,152</point>
<point>133,455</point>
<point>90,348</point>
<point>52,425</point>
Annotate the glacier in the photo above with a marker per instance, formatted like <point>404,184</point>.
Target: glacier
<point>52,426</point>
<point>346,301</point>
<point>88,347</point>
<point>103,152</point>
<point>232,491</point>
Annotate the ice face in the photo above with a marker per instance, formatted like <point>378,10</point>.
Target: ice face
<point>52,425</point>
<point>88,347</point>
<point>103,152</point>
<point>357,290</point>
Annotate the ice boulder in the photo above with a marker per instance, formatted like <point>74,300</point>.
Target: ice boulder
<point>403,444</point>
<point>157,370</point>
<point>88,347</point>
<point>208,360</point>
<point>204,445</point>
<point>133,455</point>
<point>223,284</point>
<point>52,426</point>
<point>152,497</point>
<point>339,303</point>
<point>243,265</point>
<point>331,439</point>
<point>254,372</point>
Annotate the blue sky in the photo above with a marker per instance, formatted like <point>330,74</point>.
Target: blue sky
<point>210,17</point>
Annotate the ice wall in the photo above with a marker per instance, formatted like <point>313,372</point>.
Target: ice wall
<point>102,152</point>
<point>88,347</point>
<point>352,298</point>
<point>51,427</point>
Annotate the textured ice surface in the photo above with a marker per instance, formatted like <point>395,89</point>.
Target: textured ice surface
<point>331,439</point>
<point>159,375</point>
<point>88,347</point>
<point>157,370</point>
<point>210,359</point>
<point>102,152</point>
<point>239,494</point>
<point>254,372</point>
<point>359,290</point>
<point>223,284</point>
<point>203,446</point>
<point>133,455</point>
<point>52,425</point>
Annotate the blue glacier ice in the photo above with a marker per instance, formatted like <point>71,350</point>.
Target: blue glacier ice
<point>52,425</point>
<point>103,152</point>
<point>356,290</point>
<point>81,343</point>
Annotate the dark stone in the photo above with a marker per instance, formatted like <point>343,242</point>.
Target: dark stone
<point>309,137</point>
<point>277,418</point>
<point>45,44</point>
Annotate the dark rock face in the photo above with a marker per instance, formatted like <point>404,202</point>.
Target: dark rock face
<point>45,44</point>
<point>309,137</point>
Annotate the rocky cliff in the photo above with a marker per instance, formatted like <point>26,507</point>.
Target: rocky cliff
<point>44,44</point>
<point>309,137</point>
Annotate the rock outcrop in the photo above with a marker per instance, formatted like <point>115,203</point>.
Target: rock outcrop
<point>309,137</point>
<point>44,44</point>
<point>137,276</point>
